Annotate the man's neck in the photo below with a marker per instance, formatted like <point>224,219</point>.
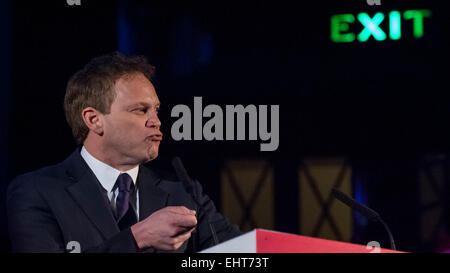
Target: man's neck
<point>102,155</point>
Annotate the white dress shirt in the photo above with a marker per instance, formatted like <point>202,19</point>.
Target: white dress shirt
<point>107,177</point>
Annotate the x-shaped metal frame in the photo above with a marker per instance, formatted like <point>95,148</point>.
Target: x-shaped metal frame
<point>436,189</point>
<point>247,206</point>
<point>325,204</point>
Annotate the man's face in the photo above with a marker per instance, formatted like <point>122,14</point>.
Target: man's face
<point>131,131</point>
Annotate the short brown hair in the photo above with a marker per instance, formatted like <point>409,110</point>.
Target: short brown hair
<point>93,86</point>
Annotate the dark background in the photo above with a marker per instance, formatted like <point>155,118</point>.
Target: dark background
<point>384,105</point>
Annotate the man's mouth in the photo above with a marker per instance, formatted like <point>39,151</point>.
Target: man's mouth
<point>156,137</point>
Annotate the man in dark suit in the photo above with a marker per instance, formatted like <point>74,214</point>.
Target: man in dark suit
<point>104,197</point>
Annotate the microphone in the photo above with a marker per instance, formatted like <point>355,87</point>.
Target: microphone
<point>188,185</point>
<point>367,212</point>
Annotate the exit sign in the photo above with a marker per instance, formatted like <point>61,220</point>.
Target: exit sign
<point>340,25</point>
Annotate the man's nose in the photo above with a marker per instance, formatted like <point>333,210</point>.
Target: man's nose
<point>153,120</point>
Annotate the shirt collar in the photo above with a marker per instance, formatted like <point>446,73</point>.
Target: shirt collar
<point>106,174</point>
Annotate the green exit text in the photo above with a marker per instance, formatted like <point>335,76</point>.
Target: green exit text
<point>340,25</point>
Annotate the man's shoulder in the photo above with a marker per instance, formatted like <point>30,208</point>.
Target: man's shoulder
<point>162,178</point>
<point>161,174</point>
<point>42,174</point>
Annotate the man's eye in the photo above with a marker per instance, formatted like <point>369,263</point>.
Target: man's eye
<point>143,110</point>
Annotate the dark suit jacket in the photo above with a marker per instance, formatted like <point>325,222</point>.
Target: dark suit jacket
<point>52,206</point>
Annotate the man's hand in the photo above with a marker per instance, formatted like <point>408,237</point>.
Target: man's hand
<point>166,228</point>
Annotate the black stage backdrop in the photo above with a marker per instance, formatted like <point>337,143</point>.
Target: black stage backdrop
<point>381,104</point>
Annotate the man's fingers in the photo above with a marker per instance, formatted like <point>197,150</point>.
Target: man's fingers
<point>183,230</point>
<point>171,246</point>
<point>179,229</point>
<point>180,210</point>
<point>174,243</point>
<point>186,221</point>
<point>182,237</point>
<point>162,226</point>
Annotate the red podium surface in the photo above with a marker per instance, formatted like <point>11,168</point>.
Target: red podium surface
<point>266,241</point>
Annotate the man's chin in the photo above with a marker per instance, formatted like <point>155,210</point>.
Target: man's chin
<point>152,154</point>
<point>150,159</point>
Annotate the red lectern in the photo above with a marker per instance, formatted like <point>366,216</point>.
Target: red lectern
<point>266,241</point>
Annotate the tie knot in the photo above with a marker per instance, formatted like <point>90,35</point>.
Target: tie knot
<point>124,182</point>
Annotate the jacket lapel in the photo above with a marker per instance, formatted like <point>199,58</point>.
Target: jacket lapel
<point>151,198</point>
<point>87,194</point>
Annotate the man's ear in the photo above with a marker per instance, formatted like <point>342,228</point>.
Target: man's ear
<point>93,120</point>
